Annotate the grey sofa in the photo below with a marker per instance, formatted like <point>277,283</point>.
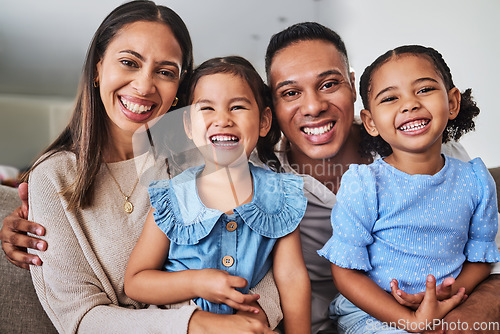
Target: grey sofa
<point>20,311</point>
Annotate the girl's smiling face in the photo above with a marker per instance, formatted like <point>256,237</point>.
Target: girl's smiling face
<point>409,104</point>
<point>138,76</point>
<point>225,122</point>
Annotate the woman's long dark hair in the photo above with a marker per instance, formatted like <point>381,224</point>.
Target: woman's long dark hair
<point>86,134</point>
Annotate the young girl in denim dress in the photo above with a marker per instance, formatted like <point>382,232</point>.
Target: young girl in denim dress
<point>215,230</point>
<point>415,217</point>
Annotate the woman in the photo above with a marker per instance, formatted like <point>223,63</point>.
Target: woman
<point>86,189</point>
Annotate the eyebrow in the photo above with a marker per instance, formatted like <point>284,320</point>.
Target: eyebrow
<point>415,82</point>
<point>234,99</point>
<point>140,57</point>
<point>320,76</point>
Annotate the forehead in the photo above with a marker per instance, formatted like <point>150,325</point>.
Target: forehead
<point>306,59</point>
<point>222,85</point>
<point>148,37</point>
<point>406,67</point>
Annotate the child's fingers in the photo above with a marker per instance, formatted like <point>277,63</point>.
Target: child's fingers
<point>404,298</point>
<point>430,290</point>
<point>237,282</point>
<point>444,290</point>
<point>242,302</point>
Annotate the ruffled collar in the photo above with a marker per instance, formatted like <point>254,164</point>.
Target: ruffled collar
<point>277,206</point>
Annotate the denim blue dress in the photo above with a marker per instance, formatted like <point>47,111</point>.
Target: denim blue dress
<point>240,243</point>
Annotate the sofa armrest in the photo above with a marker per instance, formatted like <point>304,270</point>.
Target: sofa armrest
<point>20,310</point>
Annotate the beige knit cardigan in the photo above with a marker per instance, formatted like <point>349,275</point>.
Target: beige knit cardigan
<point>80,284</point>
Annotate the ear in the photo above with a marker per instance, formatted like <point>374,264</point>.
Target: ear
<point>186,118</point>
<point>454,99</point>
<point>366,117</point>
<point>266,119</point>
<point>98,70</point>
<point>353,86</point>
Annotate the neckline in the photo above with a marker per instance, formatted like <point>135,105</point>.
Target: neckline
<point>406,175</point>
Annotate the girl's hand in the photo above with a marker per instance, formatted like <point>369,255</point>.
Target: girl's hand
<point>443,291</point>
<point>217,286</point>
<point>406,299</point>
<point>431,308</point>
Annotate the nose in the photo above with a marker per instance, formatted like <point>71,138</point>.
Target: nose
<point>144,83</point>
<point>313,104</point>
<point>222,119</point>
<point>410,104</point>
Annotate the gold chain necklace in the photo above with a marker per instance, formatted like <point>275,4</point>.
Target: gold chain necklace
<point>128,206</point>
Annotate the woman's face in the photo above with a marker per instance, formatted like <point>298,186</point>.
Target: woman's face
<point>139,76</point>
<point>313,96</point>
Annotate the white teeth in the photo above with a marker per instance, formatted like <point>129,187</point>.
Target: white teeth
<point>134,107</point>
<point>224,140</point>
<point>319,130</point>
<point>414,125</point>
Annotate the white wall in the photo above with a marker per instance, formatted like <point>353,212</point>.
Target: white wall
<point>465,32</point>
<point>28,125</point>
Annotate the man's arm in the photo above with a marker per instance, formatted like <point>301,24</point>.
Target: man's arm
<point>481,307</point>
<point>14,236</point>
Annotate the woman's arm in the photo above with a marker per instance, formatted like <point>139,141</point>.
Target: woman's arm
<point>147,283</point>
<point>74,288</point>
<point>269,300</point>
<point>368,296</point>
<point>293,283</point>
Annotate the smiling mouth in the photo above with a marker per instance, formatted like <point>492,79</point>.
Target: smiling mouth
<point>224,140</point>
<point>414,125</point>
<point>134,107</point>
<point>318,130</point>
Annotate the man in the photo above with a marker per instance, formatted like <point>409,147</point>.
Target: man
<point>314,93</point>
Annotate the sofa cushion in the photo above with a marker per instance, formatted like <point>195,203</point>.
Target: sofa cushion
<point>495,172</point>
<point>20,310</point>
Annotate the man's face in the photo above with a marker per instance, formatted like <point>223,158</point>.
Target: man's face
<point>314,97</point>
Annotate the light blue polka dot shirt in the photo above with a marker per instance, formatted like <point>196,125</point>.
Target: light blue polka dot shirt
<point>395,225</point>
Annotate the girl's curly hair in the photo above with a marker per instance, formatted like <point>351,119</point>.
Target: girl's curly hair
<point>456,128</point>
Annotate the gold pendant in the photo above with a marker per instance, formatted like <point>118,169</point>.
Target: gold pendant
<point>128,207</point>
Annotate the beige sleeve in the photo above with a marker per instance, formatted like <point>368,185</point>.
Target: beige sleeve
<point>269,299</point>
<point>70,289</point>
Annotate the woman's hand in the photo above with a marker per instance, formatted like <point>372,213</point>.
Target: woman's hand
<point>217,286</point>
<point>14,238</point>
<point>240,323</point>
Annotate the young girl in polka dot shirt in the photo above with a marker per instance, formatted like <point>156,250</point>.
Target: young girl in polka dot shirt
<point>414,218</point>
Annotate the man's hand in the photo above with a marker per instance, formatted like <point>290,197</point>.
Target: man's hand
<point>14,236</point>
